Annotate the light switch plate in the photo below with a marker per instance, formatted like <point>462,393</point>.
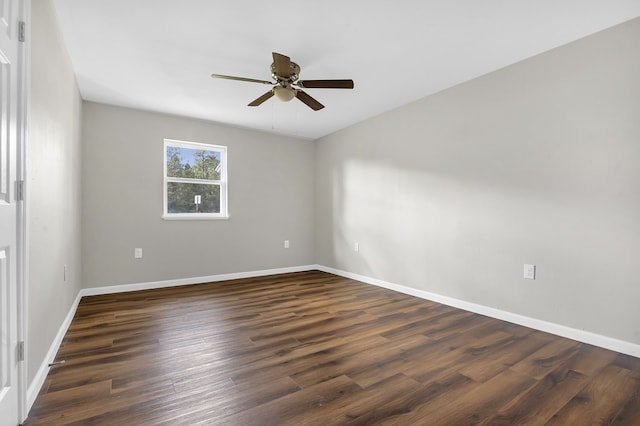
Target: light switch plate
<point>137,253</point>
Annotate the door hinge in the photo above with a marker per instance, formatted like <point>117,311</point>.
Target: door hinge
<point>20,351</point>
<point>19,190</point>
<point>21,30</point>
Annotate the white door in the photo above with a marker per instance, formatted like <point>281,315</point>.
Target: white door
<point>9,74</point>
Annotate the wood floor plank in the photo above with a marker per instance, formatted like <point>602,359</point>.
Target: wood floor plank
<point>473,403</point>
<point>312,348</point>
<point>504,356</point>
<point>286,410</point>
<point>540,402</point>
<point>354,405</point>
<point>547,358</point>
<point>465,352</point>
<point>601,400</point>
<point>353,361</point>
<point>406,409</point>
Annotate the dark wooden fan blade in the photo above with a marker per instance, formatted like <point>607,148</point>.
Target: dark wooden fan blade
<point>326,84</point>
<point>308,100</point>
<point>250,80</point>
<point>283,65</point>
<point>262,98</point>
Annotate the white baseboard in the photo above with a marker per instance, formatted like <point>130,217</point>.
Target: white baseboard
<point>41,375</point>
<point>557,329</point>
<point>188,281</point>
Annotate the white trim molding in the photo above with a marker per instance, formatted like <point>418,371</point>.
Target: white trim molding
<point>188,281</point>
<point>548,327</point>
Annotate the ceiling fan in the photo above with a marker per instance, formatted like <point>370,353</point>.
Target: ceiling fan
<point>287,86</point>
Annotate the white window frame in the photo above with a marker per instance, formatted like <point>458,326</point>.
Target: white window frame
<point>222,183</point>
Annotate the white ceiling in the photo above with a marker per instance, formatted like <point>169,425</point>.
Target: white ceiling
<point>158,54</point>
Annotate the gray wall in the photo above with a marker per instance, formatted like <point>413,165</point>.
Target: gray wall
<point>53,185</point>
<point>535,163</point>
<point>271,198</point>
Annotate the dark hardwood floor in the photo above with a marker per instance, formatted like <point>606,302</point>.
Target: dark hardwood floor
<point>312,348</point>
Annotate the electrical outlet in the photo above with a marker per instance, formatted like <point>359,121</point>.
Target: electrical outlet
<point>286,243</point>
<point>529,272</point>
<point>356,247</point>
<point>137,253</point>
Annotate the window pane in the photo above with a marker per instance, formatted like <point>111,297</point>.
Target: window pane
<point>193,163</point>
<point>192,198</point>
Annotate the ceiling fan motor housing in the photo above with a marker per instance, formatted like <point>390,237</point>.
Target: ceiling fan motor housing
<point>295,72</point>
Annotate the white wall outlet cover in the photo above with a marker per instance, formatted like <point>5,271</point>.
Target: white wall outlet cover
<point>530,272</point>
<point>137,253</point>
<point>356,247</point>
<point>286,243</point>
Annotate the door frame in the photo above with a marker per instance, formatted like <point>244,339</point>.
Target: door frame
<point>22,261</point>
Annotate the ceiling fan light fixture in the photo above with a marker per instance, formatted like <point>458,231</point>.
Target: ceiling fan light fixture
<point>284,93</point>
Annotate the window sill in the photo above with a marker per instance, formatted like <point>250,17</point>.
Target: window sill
<point>174,217</point>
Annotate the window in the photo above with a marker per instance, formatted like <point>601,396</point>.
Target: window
<point>195,180</point>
